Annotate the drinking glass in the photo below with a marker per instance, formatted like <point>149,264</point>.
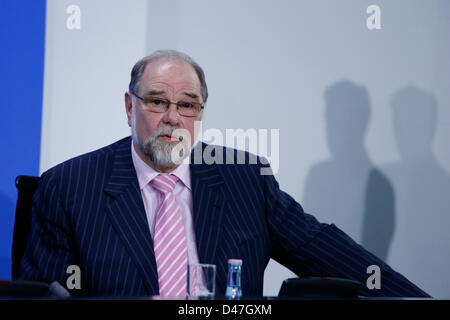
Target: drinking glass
<point>201,280</point>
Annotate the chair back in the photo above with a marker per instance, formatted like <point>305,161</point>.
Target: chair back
<point>26,187</point>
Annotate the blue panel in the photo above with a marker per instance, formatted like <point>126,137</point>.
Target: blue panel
<point>22,38</point>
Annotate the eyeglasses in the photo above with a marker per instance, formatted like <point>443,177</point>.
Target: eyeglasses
<point>161,105</point>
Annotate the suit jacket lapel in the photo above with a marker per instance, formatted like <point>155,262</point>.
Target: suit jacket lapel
<point>209,203</point>
<point>127,214</point>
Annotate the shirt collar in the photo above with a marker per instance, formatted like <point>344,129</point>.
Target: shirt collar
<point>145,173</point>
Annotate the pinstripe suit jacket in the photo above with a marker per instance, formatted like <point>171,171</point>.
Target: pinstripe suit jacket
<point>88,211</point>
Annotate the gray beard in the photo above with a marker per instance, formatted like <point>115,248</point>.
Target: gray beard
<point>157,151</point>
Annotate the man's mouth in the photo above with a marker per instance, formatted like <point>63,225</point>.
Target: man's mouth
<point>169,137</point>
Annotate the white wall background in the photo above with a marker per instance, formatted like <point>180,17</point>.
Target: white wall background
<point>268,65</point>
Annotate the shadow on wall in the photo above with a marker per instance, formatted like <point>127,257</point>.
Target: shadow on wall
<point>421,243</point>
<point>347,189</point>
<point>7,209</point>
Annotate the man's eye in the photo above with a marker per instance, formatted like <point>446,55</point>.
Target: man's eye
<point>156,102</point>
<point>186,105</point>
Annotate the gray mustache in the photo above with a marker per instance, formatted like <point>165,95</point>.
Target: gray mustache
<point>164,130</point>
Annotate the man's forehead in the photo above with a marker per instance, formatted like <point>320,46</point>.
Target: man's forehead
<point>167,66</point>
<point>170,70</point>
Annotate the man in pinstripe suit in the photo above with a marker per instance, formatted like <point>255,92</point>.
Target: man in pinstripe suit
<point>98,210</point>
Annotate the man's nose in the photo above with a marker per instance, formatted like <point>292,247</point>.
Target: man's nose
<point>172,116</point>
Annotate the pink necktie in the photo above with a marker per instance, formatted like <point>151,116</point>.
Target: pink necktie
<point>170,240</point>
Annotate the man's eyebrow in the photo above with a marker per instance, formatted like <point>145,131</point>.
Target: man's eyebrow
<point>191,95</point>
<point>154,92</point>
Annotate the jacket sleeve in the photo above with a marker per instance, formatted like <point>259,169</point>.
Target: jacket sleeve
<point>49,249</point>
<point>311,248</point>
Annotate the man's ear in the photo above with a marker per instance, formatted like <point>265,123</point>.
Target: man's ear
<point>128,106</point>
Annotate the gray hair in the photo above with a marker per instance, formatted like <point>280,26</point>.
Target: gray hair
<point>139,67</point>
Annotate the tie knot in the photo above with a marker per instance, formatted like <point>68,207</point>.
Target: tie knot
<point>164,182</point>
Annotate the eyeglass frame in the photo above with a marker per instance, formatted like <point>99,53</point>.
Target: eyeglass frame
<point>202,106</point>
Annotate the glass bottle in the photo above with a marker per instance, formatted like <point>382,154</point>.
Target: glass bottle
<point>234,289</point>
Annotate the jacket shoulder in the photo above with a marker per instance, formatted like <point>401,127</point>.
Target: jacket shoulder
<point>91,162</point>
